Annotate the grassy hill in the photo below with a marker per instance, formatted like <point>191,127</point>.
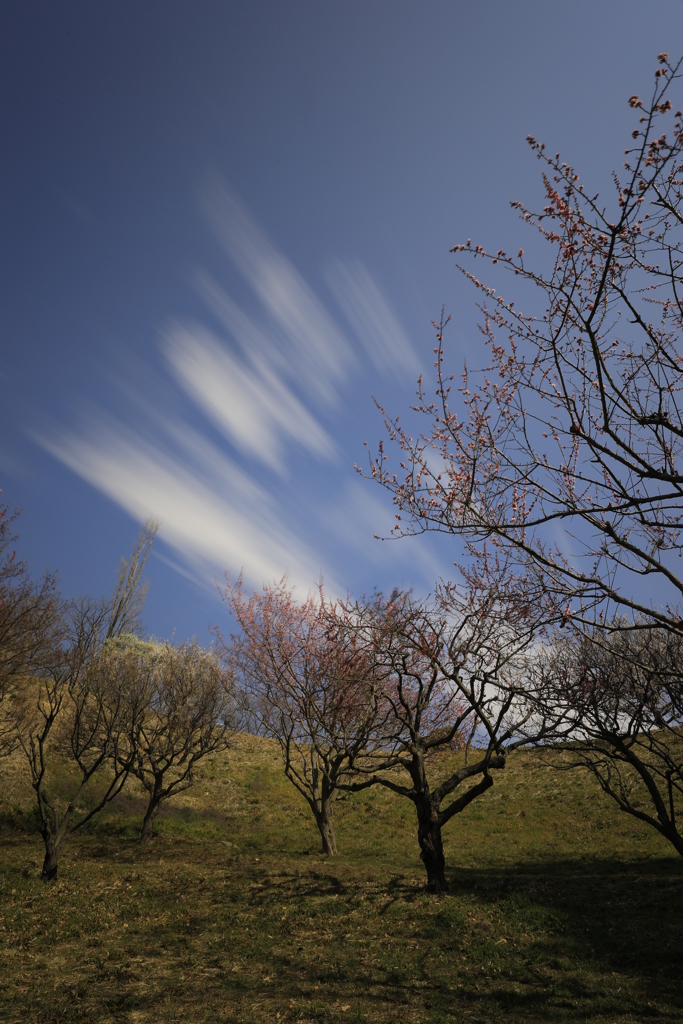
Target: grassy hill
<point>561,908</point>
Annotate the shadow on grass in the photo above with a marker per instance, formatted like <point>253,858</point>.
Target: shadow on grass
<point>561,941</point>
<point>246,936</point>
<point>626,915</point>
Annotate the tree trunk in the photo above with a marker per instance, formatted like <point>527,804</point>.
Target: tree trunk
<point>150,816</point>
<point>675,839</point>
<point>323,819</point>
<point>431,847</point>
<point>50,863</point>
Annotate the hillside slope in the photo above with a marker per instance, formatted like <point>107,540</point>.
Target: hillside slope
<point>561,908</point>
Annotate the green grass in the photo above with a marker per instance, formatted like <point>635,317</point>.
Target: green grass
<point>560,909</point>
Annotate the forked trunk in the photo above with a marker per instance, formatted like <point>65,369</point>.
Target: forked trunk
<point>431,847</point>
<point>51,861</point>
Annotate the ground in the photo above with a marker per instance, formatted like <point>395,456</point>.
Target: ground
<point>561,908</point>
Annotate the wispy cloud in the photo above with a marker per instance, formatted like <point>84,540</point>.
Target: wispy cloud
<point>373,320</point>
<point>214,514</point>
<point>319,355</point>
<point>250,404</point>
<point>271,383</point>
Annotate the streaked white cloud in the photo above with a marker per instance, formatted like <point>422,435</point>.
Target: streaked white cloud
<point>318,354</point>
<point>250,338</point>
<point>270,382</point>
<point>215,516</point>
<point>250,404</point>
<point>373,320</point>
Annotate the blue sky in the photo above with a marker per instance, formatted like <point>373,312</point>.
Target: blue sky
<point>225,227</point>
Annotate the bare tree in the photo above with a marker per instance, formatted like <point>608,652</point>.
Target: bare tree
<point>309,685</point>
<point>89,715</point>
<point>29,613</point>
<point>454,673</point>
<point>189,712</point>
<point>564,452</point>
<point>10,566</point>
<point>621,692</point>
<point>85,706</point>
<point>575,424</point>
<point>124,611</point>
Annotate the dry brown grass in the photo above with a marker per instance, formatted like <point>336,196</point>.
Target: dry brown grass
<point>561,909</point>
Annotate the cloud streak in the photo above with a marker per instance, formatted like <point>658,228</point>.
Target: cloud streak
<point>319,355</point>
<point>253,407</point>
<point>270,384</point>
<point>216,517</point>
<point>373,320</point>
